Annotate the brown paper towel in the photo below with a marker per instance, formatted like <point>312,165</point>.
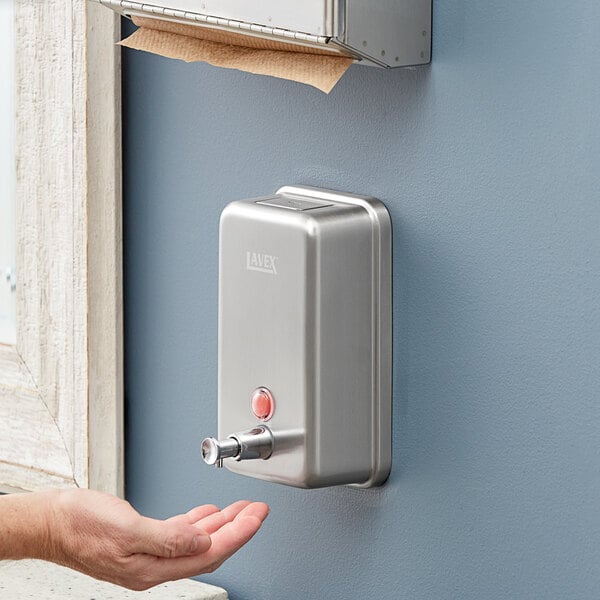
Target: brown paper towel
<point>313,66</point>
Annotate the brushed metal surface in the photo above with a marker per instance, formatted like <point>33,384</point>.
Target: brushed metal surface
<point>305,310</point>
<point>382,33</point>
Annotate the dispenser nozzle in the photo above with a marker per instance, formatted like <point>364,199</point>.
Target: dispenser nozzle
<point>247,445</point>
<point>214,451</point>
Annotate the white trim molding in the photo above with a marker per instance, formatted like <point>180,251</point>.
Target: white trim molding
<point>61,385</point>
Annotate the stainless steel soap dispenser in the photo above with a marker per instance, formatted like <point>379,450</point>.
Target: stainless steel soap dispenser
<point>305,329</point>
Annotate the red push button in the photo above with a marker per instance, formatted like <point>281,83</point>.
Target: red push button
<point>263,405</point>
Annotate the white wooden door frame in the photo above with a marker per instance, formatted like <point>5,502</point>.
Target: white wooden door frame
<point>61,386</point>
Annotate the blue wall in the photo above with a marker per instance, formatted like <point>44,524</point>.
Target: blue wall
<point>489,162</point>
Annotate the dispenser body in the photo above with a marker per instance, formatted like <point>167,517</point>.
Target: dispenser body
<point>383,33</point>
<point>305,315</point>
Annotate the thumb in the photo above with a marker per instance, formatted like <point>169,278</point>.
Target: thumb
<point>170,538</point>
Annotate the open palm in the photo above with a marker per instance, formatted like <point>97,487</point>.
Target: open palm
<point>105,537</point>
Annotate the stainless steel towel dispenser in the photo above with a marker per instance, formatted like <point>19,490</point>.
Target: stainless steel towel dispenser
<point>384,33</point>
<point>304,391</point>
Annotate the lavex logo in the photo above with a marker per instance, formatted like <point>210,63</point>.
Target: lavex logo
<point>256,261</point>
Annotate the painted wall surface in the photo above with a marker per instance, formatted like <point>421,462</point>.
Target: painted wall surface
<point>489,162</point>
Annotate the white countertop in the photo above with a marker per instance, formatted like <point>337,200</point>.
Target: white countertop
<point>40,580</point>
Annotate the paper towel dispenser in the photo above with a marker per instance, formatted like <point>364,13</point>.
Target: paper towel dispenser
<point>305,359</point>
<point>385,33</point>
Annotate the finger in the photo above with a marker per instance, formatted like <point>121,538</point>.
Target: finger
<point>200,512</point>
<point>195,514</point>
<point>169,539</point>
<point>227,540</point>
<point>211,519</point>
<point>213,522</point>
<point>232,536</point>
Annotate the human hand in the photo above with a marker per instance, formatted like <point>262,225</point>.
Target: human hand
<point>105,537</point>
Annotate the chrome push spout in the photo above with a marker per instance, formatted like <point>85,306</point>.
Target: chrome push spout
<point>247,445</point>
